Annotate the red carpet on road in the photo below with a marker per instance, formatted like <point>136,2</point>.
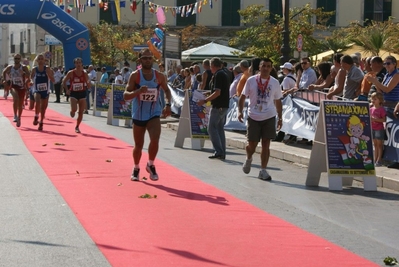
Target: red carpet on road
<point>189,223</point>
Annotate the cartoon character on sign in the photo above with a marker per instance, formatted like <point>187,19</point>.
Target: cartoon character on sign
<point>358,141</point>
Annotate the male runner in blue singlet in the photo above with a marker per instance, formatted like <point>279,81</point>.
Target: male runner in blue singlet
<point>143,88</point>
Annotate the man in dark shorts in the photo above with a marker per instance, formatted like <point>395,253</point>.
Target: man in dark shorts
<point>143,88</point>
<point>79,81</point>
<point>40,77</point>
<point>264,93</point>
<point>18,74</point>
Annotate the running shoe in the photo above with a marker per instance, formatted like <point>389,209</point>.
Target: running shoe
<point>264,175</point>
<point>246,167</point>
<point>77,130</point>
<point>153,173</point>
<point>36,121</point>
<point>72,114</point>
<point>18,122</point>
<point>40,126</point>
<point>135,175</point>
<point>15,118</point>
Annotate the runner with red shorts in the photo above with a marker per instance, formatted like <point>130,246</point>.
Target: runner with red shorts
<point>79,80</point>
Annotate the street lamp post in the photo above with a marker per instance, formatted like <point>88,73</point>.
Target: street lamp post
<point>285,49</point>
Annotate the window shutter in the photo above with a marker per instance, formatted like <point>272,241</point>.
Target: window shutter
<point>329,5</point>
<point>230,16</point>
<point>275,8</point>
<point>368,10</point>
<point>387,9</point>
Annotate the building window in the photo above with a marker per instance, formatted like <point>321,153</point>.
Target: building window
<point>328,6</point>
<point>377,10</point>
<point>275,8</point>
<point>230,16</point>
<point>185,20</point>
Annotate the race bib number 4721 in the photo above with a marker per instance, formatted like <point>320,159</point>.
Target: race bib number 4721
<point>150,95</point>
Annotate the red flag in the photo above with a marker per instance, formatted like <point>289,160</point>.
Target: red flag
<point>133,6</point>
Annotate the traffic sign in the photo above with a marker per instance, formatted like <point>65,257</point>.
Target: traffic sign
<point>299,43</point>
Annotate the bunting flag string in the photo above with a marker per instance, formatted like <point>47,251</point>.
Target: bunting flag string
<point>184,10</point>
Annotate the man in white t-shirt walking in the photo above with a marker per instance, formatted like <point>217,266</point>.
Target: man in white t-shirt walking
<point>118,77</point>
<point>264,93</point>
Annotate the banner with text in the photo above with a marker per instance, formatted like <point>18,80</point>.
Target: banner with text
<point>299,117</point>
<point>391,148</point>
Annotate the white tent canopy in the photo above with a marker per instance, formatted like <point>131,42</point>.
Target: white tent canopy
<point>211,50</point>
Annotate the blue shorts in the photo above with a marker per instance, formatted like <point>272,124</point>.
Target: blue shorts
<point>43,94</point>
<point>378,134</point>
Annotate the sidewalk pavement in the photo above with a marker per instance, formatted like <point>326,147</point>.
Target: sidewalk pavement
<point>296,153</point>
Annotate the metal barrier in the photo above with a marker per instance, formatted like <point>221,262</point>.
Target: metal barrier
<point>315,97</point>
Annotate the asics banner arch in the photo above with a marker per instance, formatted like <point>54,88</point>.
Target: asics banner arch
<point>72,33</point>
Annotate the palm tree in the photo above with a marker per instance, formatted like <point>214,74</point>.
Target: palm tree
<point>375,37</point>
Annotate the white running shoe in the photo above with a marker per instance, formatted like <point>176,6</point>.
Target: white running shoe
<point>246,167</point>
<point>153,173</point>
<point>135,175</point>
<point>264,175</point>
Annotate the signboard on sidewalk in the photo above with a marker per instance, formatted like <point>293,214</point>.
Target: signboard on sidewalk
<point>348,138</point>
<point>343,145</point>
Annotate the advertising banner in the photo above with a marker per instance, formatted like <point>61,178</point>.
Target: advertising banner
<point>199,116</point>
<point>103,96</point>
<point>232,122</point>
<point>391,148</point>
<point>121,109</point>
<point>299,117</point>
<point>348,138</point>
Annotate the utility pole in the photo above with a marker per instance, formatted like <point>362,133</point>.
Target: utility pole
<point>285,49</point>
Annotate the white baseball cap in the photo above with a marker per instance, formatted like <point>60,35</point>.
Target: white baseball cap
<point>287,65</point>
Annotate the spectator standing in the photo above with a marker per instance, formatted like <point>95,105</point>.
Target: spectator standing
<point>206,75</point>
<point>118,77</point>
<point>91,72</point>
<point>194,82</point>
<point>104,75</point>
<point>244,65</point>
<point>378,118</point>
<point>354,77</point>
<point>289,82</point>
<point>179,80</point>
<point>126,72</point>
<point>264,93</point>
<point>308,76</point>
<point>237,76</point>
<point>390,85</point>
<point>187,79</point>
<point>57,84</point>
<point>376,70</point>
<point>325,79</point>
<point>339,80</point>
<point>220,104</point>
<point>289,86</point>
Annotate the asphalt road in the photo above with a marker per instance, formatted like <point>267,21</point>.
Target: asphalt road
<point>38,228</point>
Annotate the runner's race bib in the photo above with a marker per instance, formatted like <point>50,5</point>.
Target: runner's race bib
<point>17,81</point>
<point>77,87</point>
<point>42,87</point>
<point>150,95</point>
